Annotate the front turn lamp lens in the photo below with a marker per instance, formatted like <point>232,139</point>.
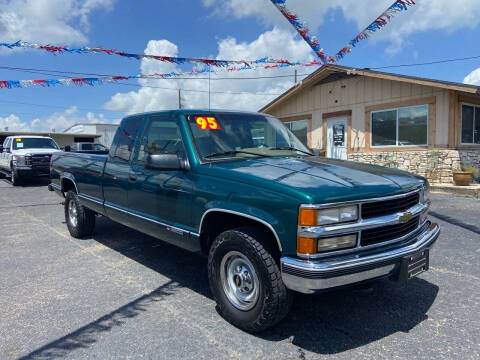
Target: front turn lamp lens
<point>337,215</point>
<point>337,243</point>
<point>306,246</point>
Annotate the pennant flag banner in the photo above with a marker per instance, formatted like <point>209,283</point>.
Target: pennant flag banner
<point>378,23</point>
<point>92,81</point>
<point>170,59</point>
<point>301,28</point>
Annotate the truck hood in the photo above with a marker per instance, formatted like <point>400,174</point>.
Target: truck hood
<point>318,179</point>
<point>34,151</point>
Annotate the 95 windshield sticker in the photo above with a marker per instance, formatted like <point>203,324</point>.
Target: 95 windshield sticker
<point>206,123</point>
<point>18,140</point>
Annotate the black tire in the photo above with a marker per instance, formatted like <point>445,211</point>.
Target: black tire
<point>274,299</point>
<point>85,218</point>
<point>14,178</point>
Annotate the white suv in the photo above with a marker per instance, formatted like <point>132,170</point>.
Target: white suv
<point>26,156</point>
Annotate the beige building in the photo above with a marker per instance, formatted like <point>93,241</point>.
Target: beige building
<point>421,125</point>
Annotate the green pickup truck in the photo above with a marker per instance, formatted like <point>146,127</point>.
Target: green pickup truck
<point>272,217</point>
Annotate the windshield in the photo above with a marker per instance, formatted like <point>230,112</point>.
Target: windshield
<point>242,135</point>
<point>34,143</point>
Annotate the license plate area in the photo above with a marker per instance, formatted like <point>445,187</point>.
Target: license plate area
<point>414,265</point>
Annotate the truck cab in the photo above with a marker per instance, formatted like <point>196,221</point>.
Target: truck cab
<point>26,156</point>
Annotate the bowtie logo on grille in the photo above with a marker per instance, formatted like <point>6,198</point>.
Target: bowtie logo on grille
<point>405,217</point>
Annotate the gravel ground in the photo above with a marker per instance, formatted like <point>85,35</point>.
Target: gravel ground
<point>123,294</point>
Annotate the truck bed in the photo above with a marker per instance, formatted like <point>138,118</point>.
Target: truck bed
<point>85,170</point>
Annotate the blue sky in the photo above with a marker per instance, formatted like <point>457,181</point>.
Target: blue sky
<point>233,29</point>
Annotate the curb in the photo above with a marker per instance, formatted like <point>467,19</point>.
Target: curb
<point>469,191</point>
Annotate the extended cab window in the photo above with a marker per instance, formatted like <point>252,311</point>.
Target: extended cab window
<point>161,137</point>
<point>127,134</point>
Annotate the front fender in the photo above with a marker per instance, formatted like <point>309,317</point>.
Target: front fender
<point>263,217</point>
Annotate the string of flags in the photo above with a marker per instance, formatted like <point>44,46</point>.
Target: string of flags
<point>229,65</point>
<point>377,24</point>
<point>92,81</point>
<point>56,49</point>
<point>301,28</point>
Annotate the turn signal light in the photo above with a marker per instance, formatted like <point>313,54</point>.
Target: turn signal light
<point>307,217</point>
<point>306,245</point>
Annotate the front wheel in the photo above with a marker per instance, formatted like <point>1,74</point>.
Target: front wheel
<point>80,220</point>
<point>14,178</point>
<point>246,281</point>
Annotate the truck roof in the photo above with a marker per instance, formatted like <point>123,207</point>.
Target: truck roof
<point>196,111</point>
<point>28,136</point>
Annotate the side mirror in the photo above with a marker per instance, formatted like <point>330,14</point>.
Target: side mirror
<point>165,162</point>
<point>67,148</point>
<point>316,152</point>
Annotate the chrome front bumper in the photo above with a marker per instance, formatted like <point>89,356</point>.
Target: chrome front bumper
<point>309,276</point>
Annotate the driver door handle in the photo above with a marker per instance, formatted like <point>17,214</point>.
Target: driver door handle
<point>132,177</point>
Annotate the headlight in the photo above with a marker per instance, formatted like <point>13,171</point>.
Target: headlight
<point>18,159</point>
<point>333,215</point>
<point>337,215</point>
<point>310,246</point>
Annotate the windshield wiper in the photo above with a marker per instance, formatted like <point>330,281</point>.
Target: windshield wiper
<point>233,152</point>
<point>291,148</point>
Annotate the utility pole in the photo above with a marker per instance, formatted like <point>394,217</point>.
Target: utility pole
<point>295,77</point>
<point>209,87</point>
<point>179,99</point>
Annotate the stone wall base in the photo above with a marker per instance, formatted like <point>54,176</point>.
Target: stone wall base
<point>437,165</point>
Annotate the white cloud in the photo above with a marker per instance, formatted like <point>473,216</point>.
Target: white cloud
<point>58,121</point>
<point>276,43</point>
<point>47,21</point>
<point>473,78</point>
<point>445,15</point>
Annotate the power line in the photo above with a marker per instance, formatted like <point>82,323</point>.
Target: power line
<point>53,73</point>
<point>57,106</point>
<point>56,72</point>
<point>427,63</point>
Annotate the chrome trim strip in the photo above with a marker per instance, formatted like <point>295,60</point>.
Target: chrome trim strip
<point>393,219</point>
<point>244,215</point>
<point>391,197</point>
<point>167,226</point>
<point>346,266</point>
<point>90,198</point>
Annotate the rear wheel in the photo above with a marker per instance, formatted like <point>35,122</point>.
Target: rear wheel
<point>246,281</point>
<point>80,220</point>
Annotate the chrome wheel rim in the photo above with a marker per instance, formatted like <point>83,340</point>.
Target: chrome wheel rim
<point>72,213</point>
<point>239,280</point>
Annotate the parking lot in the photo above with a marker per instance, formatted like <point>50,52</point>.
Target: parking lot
<point>123,294</point>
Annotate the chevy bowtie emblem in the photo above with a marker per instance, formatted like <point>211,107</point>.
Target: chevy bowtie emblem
<point>405,217</point>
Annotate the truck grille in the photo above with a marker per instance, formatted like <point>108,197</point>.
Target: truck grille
<point>38,161</point>
<point>388,207</point>
<point>386,233</point>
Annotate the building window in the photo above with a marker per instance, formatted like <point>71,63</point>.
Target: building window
<point>406,126</point>
<point>300,129</point>
<point>470,125</point>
